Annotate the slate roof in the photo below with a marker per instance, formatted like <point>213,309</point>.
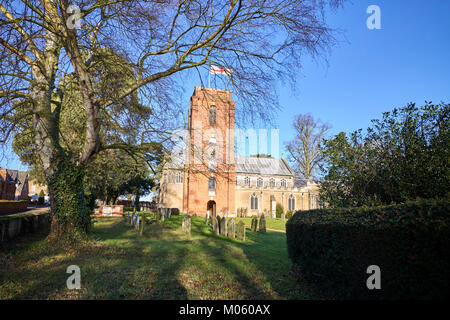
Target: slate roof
<point>263,166</point>
<point>249,165</point>
<point>177,160</point>
<point>298,183</point>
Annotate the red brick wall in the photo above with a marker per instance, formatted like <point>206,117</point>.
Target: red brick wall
<point>12,206</point>
<point>196,193</point>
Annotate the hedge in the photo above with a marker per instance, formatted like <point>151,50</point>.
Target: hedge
<point>410,242</point>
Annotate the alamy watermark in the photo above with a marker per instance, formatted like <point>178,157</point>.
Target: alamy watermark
<point>73,281</point>
<point>374,20</point>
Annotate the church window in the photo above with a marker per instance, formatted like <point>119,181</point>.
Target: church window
<point>212,184</point>
<point>283,182</point>
<point>291,203</point>
<point>247,181</point>
<point>179,177</point>
<point>254,202</point>
<point>272,182</point>
<point>212,116</point>
<point>260,182</point>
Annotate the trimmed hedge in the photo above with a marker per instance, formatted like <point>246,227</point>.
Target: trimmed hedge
<point>410,242</point>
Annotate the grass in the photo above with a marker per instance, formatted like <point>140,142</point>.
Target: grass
<point>271,223</point>
<point>164,263</point>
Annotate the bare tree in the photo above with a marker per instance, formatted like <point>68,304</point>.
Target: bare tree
<point>304,150</point>
<point>43,53</point>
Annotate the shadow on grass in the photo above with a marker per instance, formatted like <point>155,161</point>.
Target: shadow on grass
<point>164,263</point>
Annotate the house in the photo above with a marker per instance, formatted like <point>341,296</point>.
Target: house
<point>7,185</point>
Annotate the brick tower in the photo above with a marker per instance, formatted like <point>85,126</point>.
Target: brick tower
<point>209,180</point>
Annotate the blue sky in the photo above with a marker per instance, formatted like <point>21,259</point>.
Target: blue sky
<point>369,71</point>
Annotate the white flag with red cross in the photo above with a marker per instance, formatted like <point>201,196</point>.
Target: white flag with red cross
<point>220,70</point>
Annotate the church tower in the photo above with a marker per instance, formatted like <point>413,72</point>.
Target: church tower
<point>210,175</point>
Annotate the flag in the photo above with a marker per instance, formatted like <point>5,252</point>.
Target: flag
<point>219,70</point>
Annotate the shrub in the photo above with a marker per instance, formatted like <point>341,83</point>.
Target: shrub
<point>279,210</point>
<point>289,214</point>
<point>410,243</point>
<point>41,197</point>
<point>175,212</point>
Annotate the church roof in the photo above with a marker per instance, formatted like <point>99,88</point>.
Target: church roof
<point>246,165</point>
<point>263,166</point>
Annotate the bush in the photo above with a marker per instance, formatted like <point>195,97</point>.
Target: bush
<point>410,243</point>
<point>279,210</point>
<point>41,197</point>
<point>289,214</point>
<point>175,212</point>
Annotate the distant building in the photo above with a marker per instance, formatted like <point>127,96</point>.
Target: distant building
<point>207,177</point>
<point>7,185</point>
<point>34,188</point>
<point>21,180</point>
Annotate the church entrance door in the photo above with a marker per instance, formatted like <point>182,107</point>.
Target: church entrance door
<point>211,208</point>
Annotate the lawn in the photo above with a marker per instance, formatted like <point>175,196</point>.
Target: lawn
<point>164,263</point>
<point>272,223</point>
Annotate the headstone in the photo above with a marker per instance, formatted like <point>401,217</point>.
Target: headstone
<point>215,225</point>
<point>138,221</point>
<point>141,231</point>
<point>186,225</point>
<point>254,224</point>
<point>262,224</point>
<point>283,216</point>
<point>223,227</point>
<point>230,229</point>
<point>218,224</point>
<point>240,235</point>
<point>206,217</point>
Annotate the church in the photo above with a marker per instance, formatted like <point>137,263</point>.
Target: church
<point>207,178</point>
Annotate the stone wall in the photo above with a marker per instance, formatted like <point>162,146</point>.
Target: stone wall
<point>12,227</point>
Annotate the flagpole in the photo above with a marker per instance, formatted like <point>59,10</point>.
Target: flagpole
<point>209,78</point>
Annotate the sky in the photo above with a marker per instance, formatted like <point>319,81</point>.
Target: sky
<point>368,72</point>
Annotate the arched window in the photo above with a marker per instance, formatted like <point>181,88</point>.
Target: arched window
<point>272,182</point>
<point>259,182</point>
<point>212,116</point>
<point>291,203</point>
<point>179,177</point>
<point>212,184</point>
<point>254,202</point>
<point>283,182</point>
<point>247,181</point>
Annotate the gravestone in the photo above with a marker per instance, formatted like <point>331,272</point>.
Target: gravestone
<point>206,217</point>
<point>223,227</point>
<point>215,225</point>
<point>138,221</point>
<point>283,216</point>
<point>186,225</point>
<point>262,224</point>
<point>218,224</point>
<point>141,231</point>
<point>254,224</point>
<point>230,229</point>
<point>240,235</point>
